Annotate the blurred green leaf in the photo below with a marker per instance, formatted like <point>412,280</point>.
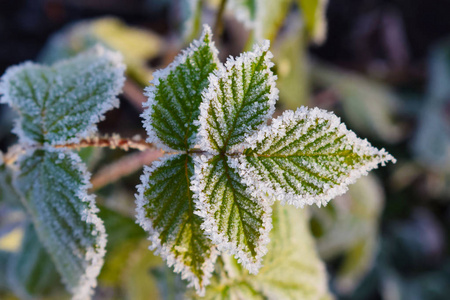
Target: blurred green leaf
<point>138,281</point>
<point>263,17</point>
<point>349,227</point>
<point>431,144</point>
<point>369,106</point>
<point>314,19</point>
<point>8,194</point>
<point>290,61</point>
<point>5,257</point>
<point>137,46</point>
<point>123,235</point>
<point>31,271</point>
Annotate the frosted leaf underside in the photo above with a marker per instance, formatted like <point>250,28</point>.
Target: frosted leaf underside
<point>63,102</point>
<point>166,211</point>
<point>235,221</point>
<point>241,96</point>
<point>54,188</point>
<point>307,157</point>
<point>175,95</point>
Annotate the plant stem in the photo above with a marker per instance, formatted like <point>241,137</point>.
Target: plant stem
<point>218,27</point>
<point>112,142</point>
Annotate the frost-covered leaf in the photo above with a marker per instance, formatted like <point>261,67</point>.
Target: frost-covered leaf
<point>165,208</point>
<point>291,269</point>
<point>31,271</point>
<point>54,185</point>
<point>240,98</point>
<point>175,95</point>
<point>137,46</point>
<point>139,282</point>
<point>314,18</point>
<point>234,220</point>
<point>306,157</point>
<point>63,103</point>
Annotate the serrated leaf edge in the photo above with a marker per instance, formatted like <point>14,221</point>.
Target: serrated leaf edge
<point>164,251</point>
<point>260,188</point>
<point>162,74</point>
<point>95,257</point>
<point>222,72</point>
<point>111,102</point>
<point>203,209</point>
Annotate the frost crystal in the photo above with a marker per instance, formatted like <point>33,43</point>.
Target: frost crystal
<point>54,190</point>
<point>175,95</point>
<point>306,157</point>
<point>165,209</point>
<point>63,103</point>
<point>241,97</point>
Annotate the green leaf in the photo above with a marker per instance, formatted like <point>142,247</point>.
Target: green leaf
<point>235,220</point>
<point>5,257</point>
<point>8,193</point>
<point>192,17</point>
<point>306,157</point>
<point>290,56</point>
<point>31,271</point>
<point>240,98</point>
<point>165,208</point>
<point>349,230</point>
<point>431,143</point>
<point>63,103</point>
<point>123,235</point>
<point>54,185</point>
<point>264,17</point>
<point>137,46</point>
<point>368,106</point>
<point>291,269</point>
<point>138,280</point>
<point>175,95</point>
<point>314,15</point>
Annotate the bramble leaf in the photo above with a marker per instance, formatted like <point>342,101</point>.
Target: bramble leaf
<point>54,185</point>
<point>31,271</point>
<point>240,98</point>
<point>175,95</point>
<point>306,157</point>
<point>291,269</point>
<point>236,221</point>
<point>165,208</point>
<point>63,103</point>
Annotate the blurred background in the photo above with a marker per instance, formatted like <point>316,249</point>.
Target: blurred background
<point>383,66</point>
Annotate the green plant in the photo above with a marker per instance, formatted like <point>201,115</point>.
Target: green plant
<point>212,194</point>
